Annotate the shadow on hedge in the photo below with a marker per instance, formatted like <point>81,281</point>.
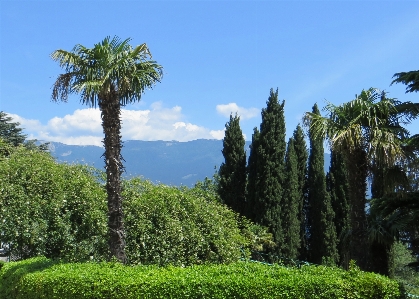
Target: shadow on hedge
<point>11,273</point>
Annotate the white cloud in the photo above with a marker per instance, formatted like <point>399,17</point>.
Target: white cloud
<point>26,123</point>
<point>217,134</point>
<point>232,108</point>
<point>81,120</point>
<point>84,126</point>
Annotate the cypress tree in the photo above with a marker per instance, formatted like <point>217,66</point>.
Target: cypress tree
<point>232,173</point>
<point>302,157</point>
<point>252,176</point>
<point>323,240</point>
<point>338,187</point>
<point>291,205</point>
<point>270,166</point>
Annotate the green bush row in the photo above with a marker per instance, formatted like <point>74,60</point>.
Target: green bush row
<point>46,279</point>
<point>60,211</point>
<point>50,209</point>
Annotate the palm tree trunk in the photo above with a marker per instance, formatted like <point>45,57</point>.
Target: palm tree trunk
<point>357,168</point>
<point>110,112</point>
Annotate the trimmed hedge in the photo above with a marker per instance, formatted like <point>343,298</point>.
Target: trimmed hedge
<point>46,279</point>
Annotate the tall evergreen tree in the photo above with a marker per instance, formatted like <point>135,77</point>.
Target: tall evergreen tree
<point>302,157</point>
<point>10,131</point>
<point>323,240</point>
<point>269,167</point>
<point>232,173</point>
<point>338,187</point>
<point>291,204</point>
<point>252,176</point>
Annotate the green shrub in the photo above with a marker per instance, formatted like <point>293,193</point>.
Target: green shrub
<point>401,256</point>
<point>167,225</point>
<point>59,211</point>
<point>50,209</point>
<point>42,278</point>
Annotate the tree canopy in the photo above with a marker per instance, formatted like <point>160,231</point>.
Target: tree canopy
<point>267,162</point>
<point>10,131</point>
<point>232,173</point>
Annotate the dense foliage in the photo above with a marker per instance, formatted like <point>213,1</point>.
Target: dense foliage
<point>232,173</point>
<point>167,225</point>
<point>10,131</point>
<point>302,172</point>
<point>252,193</point>
<point>338,187</point>
<point>43,278</point>
<point>291,205</point>
<point>369,132</point>
<point>323,240</point>
<point>267,161</point>
<point>48,208</point>
<point>59,211</point>
<point>404,267</point>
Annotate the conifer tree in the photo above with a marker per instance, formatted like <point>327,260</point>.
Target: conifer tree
<point>252,176</point>
<point>302,157</point>
<point>291,205</point>
<point>269,167</point>
<point>10,131</point>
<point>323,240</point>
<point>232,173</point>
<point>338,187</point>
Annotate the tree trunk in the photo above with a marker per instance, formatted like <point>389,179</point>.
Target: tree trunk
<point>380,254</point>
<point>357,168</point>
<point>110,112</point>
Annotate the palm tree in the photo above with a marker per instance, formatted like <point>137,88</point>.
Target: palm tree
<point>109,75</point>
<point>365,129</point>
<point>411,79</point>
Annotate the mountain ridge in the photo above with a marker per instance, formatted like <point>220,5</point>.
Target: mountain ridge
<point>168,162</point>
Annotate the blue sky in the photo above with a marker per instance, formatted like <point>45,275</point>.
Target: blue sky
<point>218,57</point>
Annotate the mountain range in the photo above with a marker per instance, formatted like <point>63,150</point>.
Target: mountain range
<point>168,162</point>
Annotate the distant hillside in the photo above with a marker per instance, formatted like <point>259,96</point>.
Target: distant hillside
<point>168,162</point>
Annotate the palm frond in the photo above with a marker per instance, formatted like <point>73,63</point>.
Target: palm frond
<point>110,64</point>
<point>411,79</point>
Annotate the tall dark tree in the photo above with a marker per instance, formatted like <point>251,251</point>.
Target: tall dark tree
<point>363,130</point>
<point>291,205</point>
<point>302,157</point>
<point>270,168</point>
<point>109,75</point>
<point>323,240</point>
<point>10,131</point>
<point>338,187</point>
<point>232,173</point>
<point>252,176</point>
